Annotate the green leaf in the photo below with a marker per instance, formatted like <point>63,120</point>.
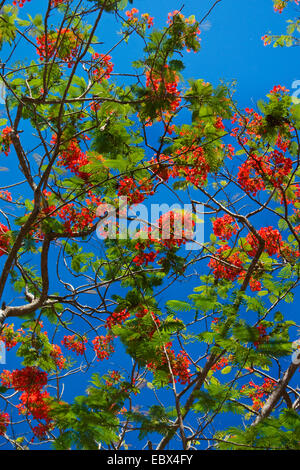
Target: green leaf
<point>226,370</point>
<point>178,305</point>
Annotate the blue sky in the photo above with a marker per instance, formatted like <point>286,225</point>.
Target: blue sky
<point>231,44</point>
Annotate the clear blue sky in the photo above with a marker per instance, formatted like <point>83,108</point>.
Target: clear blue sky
<point>231,44</point>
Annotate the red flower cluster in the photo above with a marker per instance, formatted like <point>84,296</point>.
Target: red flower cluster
<point>181,368</point>
<point>76,220</point>
<point>62,43</point>
<point>41,430</point>
<point>248,179</point>
<point>223,362</point>
<point>103,67</point>
<point>266,169</point>
<point>103,346</point>
<point>117,318</point>
<point>4,240</point>
<point>191,165</point>
<point>263,336</point>
<point>272,238</point>
<point>172,16</point>
<point>131,15</point>
<point>9,336</point>
<point>114,378</point>
<point>280,166</point>
<point>226,266</point>
<point>144,258</point>
<point>57,356</point>
<point>179,365</point>
<point>255,285</point>
<point>278,89</point>
<point>162,167</point>
<point>282,142</point>
<point>258,170</point>
<point>267,39</point>
<point>229,150</point>
<point>6,140</point>
<point>279,5</point>
<point>20,3</point>
<point>6,196</point>
<point>219,123</point>
<point>4,422</point>
<point>259,391</point>
<point>46,46</point>
<point>172,229</point>
<point>164,87</point>
<point>74,343</point>
<point>135,192</point>
<point>188,163</point>
<point>56,3</point>
<point>148,19</point>
<point>249,126</point>
<point>73,158</point>
<point>34,401</point>
<point>141,313</point>
<point>29,379</point>
<point>223,227</point>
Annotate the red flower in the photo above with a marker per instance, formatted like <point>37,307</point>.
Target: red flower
<point>117,318</point>
<point>279,89</point>
<point>258,171</point>
<point>41,430</point>
<point>223,362</point>
<point>263,337</point>
<point>135,193</point>
<point>57,356</point>
<point>56,3</point>
<point>29,379</point>
<point>103,67</point>
<point>224,228</point>
<point>179,365</point>
<point>4,422</point>
<point>6,195</point>
<point>62,43</point>
<point>9,336</point>
<point>103,346</point>
<point>163,85</point>
<point>73,158</point>
<point>219,123</point>
<point>272,238</point>
<point>20,3</point>
<point>4,240</point>
<point>149,19</point>
<point>6,140</point>
<point>76,220</point>
<point>228,266</point>
<point>74,343</point>
<point>35,403</point>
<point>258,392</point>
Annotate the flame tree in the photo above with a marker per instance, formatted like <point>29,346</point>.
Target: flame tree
<point>79,132</point>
